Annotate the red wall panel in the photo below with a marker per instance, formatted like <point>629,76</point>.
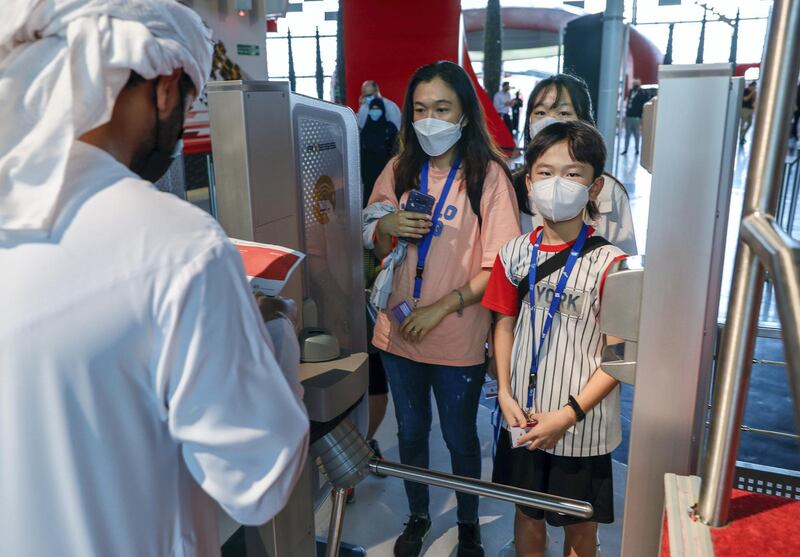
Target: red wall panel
<point>388,40</point>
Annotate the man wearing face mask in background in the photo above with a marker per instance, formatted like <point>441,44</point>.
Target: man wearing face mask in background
<point>139,385</point>
<point>369,91</point>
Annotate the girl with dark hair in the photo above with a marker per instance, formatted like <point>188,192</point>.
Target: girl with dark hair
<point>433,331</point>
<point>555,398</point>
<point>566,97</point>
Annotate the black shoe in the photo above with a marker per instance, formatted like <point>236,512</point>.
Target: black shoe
<point>376,450</point>
<point>469,540</point>
<point>625,152</point>
<point>409,544</point>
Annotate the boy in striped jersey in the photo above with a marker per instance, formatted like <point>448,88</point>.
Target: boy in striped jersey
<point>551,389</point>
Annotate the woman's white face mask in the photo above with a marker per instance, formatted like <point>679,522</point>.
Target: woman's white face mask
<point>558,199</point>
<point>538,125</point>
<point>437,136</point>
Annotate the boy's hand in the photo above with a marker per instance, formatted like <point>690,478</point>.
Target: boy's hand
<point>549,429</point>
<point>511,410</point>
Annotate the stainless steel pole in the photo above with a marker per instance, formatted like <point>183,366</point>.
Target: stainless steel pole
<point>514,495</point>
<point>780,253</point>
<point>610,64</point>
<point>337,521</point>
<point>780,70</point>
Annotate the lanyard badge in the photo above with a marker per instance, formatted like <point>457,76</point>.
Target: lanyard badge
<point>574,253</point>
<point>425,244</point>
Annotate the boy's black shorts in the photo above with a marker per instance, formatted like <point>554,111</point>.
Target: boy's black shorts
<point>584,478</point>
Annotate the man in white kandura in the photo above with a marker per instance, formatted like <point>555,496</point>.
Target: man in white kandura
<point>138,382</point>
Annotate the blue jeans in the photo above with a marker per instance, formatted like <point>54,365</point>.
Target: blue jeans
<point>457,391</point>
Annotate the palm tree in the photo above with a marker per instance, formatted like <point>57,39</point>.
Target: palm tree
<point>492,48</point>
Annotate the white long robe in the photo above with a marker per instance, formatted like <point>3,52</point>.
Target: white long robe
<point>137,380</point>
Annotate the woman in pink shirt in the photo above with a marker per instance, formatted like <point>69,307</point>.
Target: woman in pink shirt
<point>438,346</point>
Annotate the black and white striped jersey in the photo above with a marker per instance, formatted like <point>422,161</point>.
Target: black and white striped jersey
<point>571,352</point>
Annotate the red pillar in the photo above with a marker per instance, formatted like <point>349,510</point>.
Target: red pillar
<point>388,41</point>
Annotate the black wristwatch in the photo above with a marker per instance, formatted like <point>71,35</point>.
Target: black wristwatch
<point>579,413</point>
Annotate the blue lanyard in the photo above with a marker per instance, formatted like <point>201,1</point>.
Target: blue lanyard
<point>574,253</point>
<point>425,244</point>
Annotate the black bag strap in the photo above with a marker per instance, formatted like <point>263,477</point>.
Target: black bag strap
<point>555,263</point>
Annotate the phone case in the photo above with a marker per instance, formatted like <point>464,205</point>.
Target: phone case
<point>419,202</point>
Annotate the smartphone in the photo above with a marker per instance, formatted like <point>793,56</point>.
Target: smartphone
<point>419,202</point>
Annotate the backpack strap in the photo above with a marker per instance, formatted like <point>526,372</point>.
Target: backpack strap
<point>555,263</point>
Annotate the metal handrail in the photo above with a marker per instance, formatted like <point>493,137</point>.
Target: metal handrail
<point>524,497</point>
<point>761,244</point>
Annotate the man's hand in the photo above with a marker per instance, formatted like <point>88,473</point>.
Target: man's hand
<point>273,308</point>
<point>422,321</point>
<point>549,429</point>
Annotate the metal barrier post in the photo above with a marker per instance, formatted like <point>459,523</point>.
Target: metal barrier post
<point>760,237</point>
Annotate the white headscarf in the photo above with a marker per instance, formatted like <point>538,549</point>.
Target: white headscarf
<point>62,65</point>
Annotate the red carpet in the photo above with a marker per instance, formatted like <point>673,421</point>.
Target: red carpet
<point>761,525</point>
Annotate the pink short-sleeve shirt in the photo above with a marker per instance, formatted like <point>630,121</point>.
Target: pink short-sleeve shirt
<point>457,254</point>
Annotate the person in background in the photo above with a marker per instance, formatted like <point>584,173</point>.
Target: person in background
<point>502,104</point>
<point>516,106</point>
<point>748,106</point>
<point>560,410</point>
<point>139,386</point>
<point>433,331</point>
<point>378,143</point>
<point>369,91</point>
<point>634,108</point>
<point>566,97</point>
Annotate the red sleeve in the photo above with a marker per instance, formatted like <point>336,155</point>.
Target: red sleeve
<point>501,295</point>
<point>605,273</point>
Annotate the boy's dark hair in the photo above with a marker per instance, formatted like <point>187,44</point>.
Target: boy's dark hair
<point>585,145</point>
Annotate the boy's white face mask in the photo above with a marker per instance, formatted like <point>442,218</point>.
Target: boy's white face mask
<point>558,199</point>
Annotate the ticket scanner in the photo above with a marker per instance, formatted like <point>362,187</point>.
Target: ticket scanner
<point>666,309</point>
<point>286,172</point>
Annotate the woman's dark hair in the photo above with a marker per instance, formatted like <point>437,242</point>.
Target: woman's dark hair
<point>476,147</point>
<point>585,145</point>
<point>574,86</point>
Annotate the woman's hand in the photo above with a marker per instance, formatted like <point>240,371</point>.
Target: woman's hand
<point>512,412</point>
<point>403,224</point>
<point>549,429</point>
<point>422,321</point>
